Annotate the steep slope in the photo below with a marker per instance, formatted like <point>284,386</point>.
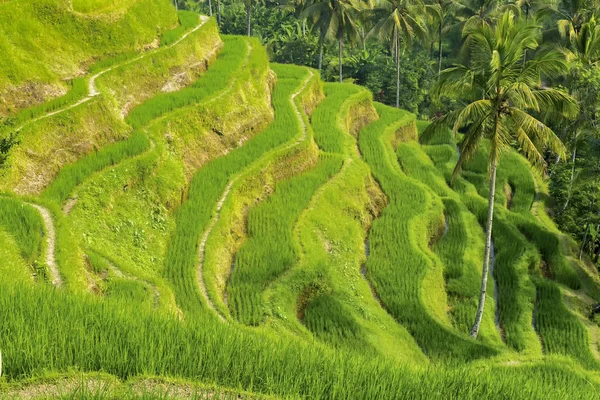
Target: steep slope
<point>194,215</point>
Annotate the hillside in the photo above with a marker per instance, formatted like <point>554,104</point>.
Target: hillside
<point>184,218</point>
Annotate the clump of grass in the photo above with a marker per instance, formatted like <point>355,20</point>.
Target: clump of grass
<point>326,317</point>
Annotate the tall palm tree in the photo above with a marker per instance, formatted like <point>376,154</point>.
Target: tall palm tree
<point>399,22</point>
<point>584,54</point>
<point>219,13</point>
<point>443,20</point>
<point>585,44</point>
<point>248,4</point>
<point>497,91</point>
<point>570,15</point>
<point>476,13</point>
<point>335,19</point>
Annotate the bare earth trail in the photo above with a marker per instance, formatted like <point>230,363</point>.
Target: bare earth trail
<point>217,215</point>
<point>93,90</point>
<point>56,279</point>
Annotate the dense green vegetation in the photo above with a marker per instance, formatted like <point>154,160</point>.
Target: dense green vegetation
<point>181,217</point>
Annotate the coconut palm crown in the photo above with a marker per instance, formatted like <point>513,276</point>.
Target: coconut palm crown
<point>335,19</point>
<point>498,91</point>
<point>399,23</point>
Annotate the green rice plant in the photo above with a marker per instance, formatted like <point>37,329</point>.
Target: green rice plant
<point>399,262</point>
<point>515,258</point>
<point>324,119</point>
<point>93,334</point>
<point>130,290</point>
<point>25,226</point>
<point>271,249</point>
<point>555,266</point>
<point>13,267</point>
<point>187,21</point>
<point>327,318</point>
<point>330,235</point>
<point>209,183</point>
<point>518,238</point>
<point>74,174</point>
<point>561,332</point>
<point>217,78</point>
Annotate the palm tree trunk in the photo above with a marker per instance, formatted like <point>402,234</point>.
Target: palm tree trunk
<point>584,242</point>
<point>440,49</point>
<point>303,27</point>
<point>249,16</point>
<point>363,34</point>
<point>176,5</point>
<point>210,8</point>
<point>320,55</point>
<point>341,55</point>
<point>488,246</point>
<point>219,13</point>
<point>573,157</point>
<point>397,46</point>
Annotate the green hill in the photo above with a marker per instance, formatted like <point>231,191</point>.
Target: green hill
<point>192,220</point>
<point>46,44</point>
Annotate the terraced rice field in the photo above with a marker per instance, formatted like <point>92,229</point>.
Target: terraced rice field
<point>251,227</point>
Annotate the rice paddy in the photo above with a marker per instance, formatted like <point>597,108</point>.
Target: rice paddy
<point>253,230</point>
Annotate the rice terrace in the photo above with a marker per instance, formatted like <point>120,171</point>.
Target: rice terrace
<point>321,199</point>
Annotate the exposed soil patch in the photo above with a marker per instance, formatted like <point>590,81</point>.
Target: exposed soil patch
<point>509,193</point>
<point>69,205</point>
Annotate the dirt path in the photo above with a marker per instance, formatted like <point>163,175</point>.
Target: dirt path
<point>215,219</point>
<point>50,244</point>
<point>93,90</point>
<point>92,386</point>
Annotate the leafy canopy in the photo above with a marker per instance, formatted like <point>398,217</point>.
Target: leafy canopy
<point>496,90</point>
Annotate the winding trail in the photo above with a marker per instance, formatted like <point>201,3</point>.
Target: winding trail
<point>50,244</point>
<point>93,89</point>
<point>217,215</point>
